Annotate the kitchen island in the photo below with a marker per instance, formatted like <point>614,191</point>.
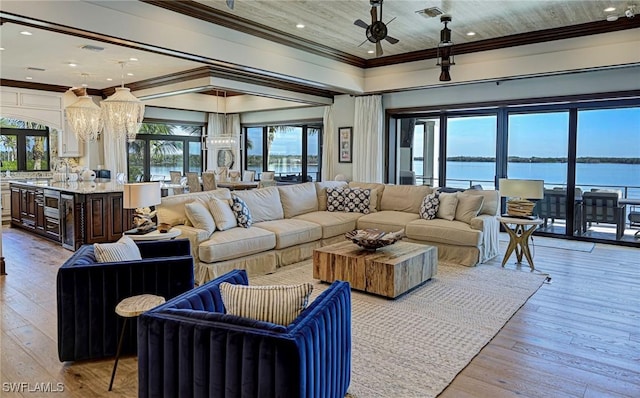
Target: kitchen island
<point>72,213</point>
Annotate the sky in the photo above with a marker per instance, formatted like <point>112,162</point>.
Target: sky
<point>601,133</point>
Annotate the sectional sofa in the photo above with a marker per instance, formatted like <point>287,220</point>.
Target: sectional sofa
<point>290,221</point>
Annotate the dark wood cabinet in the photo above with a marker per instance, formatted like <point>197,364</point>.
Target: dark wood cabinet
<point>89,218</point>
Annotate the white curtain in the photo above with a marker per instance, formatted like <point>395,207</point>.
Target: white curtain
<point>215,126</point>
<point>233,130</point>
<point>115,153</point>
<point>328,145</point>
<point>368,131</point>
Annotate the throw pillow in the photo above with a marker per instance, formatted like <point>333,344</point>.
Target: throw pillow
<point>468,207</point>
<point>447,206</point>
<point>429,207</point>
<point>335,199</point>
<point>242,213</point>
<point>199,216</point>
<point>356,200</point>
<point>125,249</point>
<point>276,304</point>
<point>222,214</point>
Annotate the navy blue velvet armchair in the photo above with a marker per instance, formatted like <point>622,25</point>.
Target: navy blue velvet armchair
<point>88,292</point>
<point>189,347</point>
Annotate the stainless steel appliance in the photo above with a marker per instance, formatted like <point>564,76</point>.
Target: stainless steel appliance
<point>67,224</point>
<point>52,213</point>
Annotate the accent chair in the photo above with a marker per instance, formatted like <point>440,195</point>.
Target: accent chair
<point>190,347</point>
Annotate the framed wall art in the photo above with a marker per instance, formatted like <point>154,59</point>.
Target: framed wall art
<point>345,144</point>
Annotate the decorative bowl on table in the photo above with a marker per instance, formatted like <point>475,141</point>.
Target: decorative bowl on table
<point>372,239</point>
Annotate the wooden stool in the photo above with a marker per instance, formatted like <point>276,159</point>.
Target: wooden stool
<point>131,307</point>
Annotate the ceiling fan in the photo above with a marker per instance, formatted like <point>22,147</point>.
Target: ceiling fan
<point>377,31</point>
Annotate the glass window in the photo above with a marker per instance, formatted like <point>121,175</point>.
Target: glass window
<point>24,146</point>
<point>292,152</point>
<point>160,148</point>
<point>254,149</point>
<point>471,151</point>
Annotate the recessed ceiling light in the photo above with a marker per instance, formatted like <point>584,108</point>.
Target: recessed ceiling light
<point>609,9</point>
<point>1,48</point>
<point>300,26</point>
<point>129,74</point>
<point>29,78</point>
<point>471,33</point>
<point>612,18</point>
<point>26,33</point>
<point>133,59</point>
<point>85,85</point>
<point>109,79</point>
<point>370,52</point>
<point>71,64</point>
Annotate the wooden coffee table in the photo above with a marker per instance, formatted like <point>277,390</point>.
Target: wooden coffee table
<point>389,271</point>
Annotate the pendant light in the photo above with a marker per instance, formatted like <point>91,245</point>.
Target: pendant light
<point>84,116</point>
<point>122,112</point>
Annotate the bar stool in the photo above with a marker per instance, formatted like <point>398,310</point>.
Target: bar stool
<point>131,307</point>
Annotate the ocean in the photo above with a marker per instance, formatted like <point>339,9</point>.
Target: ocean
<point>588,175</point>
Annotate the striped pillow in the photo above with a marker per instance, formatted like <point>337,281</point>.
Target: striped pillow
<point>279,304</point>
<point>222,214</point>
<point>124,249</point>
<point>200,216</point>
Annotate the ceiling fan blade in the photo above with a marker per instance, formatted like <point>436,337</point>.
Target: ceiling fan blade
<point>392,19</point>
<point>361,23</point>
<point>365,40</point>
<point>391,40</point>
<point>230,4</point>
<point>374,15</point>
<point>378,49</point>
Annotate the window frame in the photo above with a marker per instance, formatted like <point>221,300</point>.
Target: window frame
<point>21,145</point>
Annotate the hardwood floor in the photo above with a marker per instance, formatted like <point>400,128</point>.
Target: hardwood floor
<point>578,336</point>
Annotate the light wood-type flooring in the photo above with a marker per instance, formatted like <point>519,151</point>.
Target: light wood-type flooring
<point>578,336</point>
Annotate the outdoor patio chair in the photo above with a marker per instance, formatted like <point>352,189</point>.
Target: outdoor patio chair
<point>603,207</point>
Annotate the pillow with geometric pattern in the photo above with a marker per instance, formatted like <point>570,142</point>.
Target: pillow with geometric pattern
<point>242,212</point>
<point>429,207</point>
<point>350,200</point>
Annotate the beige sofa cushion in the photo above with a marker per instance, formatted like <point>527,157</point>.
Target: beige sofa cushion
<point>491,202</point>
<point>375,196</point>
<point>444,231</point>
<point>321,191</point>
<point>235,243</point>
<point>171,208</point>
<point>298,199</point>
<point>264,203</point>
<point>386,220</point>
<point>332,223</point>
<point>468,207</point>
<point>447,206</point>
<point>222,214</point>
<point>200,216</point>
<point>291,232</point>
<point>406,198</point>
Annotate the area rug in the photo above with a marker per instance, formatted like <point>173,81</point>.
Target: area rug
<point>415,345</point>
<point>556,243</point>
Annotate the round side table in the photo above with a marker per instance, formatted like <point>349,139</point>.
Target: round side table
<point>519,230</point>
<point>157,235</point>
<point>131,307</point>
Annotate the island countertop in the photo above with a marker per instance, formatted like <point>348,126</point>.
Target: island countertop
<point>81,187</point>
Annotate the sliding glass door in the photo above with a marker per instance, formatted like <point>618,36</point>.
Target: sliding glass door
<point>471,151</point>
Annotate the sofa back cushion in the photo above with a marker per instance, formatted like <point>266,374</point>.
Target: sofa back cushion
<point>298,199</point>
<point>321,191</point>
<point>468,206</point>
<point>264,203</point>
<point>376,192</point>
<point>447,206</point>
<point>406,198</point>
<point>491,202</point>
<point>171,209</point>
